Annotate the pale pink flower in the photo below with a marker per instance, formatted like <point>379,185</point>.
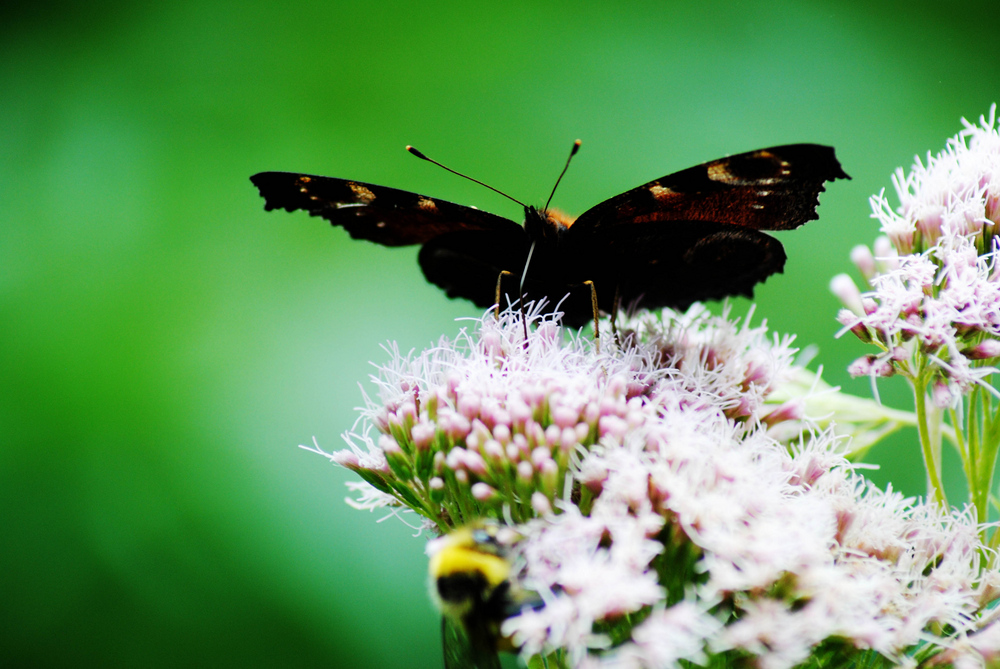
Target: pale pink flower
<point>659,460</point>
<point>938,293</point>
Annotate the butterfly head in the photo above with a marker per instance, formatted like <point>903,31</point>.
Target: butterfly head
<point>545,225</point>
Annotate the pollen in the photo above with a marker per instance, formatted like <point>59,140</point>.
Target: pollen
<point>427,204</point>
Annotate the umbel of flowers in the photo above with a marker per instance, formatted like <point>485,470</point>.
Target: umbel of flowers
<point>931,301</point>
<point>668,508</point>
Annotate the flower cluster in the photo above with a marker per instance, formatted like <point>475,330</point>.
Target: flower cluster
<point>933,301</point>
<point>934,293</point>
<point>659,519</point>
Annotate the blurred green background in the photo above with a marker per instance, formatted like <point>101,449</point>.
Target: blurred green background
<point>166,345</point>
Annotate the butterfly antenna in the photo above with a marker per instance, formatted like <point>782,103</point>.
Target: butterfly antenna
<point>420,155</point>
<point>572,152</point>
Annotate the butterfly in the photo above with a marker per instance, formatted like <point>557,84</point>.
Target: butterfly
<point>690,236</point>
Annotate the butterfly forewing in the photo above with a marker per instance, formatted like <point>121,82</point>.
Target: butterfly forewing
<point>768,189</point>
<point>379,214</point>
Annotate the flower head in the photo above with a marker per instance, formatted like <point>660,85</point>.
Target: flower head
<point>658,518</point>
<point>936,296</point>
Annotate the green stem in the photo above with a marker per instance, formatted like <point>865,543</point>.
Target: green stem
<point>931,463</point>
<point>987,457</point>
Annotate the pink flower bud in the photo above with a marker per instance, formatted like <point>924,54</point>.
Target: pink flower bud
<point>502,434</point>
<point>475,463</point>
<point>513,452</point>
<point>844,289</point>
<point>612,426</point>
<point>492,344</point>
<point>482,491</point>
<point>348,459</point>
<point>989,348</point>
<point>422,435</point>
<point>389,445</point>
<point>790,410</point>
<point>564,416</point>
<point>437,489</point>
<point>468,405</point>
<point>861,367</point>
<point>540,455</point>
<point>886,258</point>
<point>455,459</point>
<point>883,368</point>
<point>941,395</point>
<point>863,259</point>
<point>540,503</point>
<point>493,450</point>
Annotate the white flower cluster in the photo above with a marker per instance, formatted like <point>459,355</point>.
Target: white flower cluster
<point>660,520</point>
<point>934,288</point>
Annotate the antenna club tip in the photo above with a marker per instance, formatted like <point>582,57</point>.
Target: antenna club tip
<point>415,152</point>
<point>577,143</point>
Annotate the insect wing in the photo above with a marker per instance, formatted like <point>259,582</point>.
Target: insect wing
<point>769,189</point>
<point>468,263</point>
<point>379,214</point>
<point>693,235</point>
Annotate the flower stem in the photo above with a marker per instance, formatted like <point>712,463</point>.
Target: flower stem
<point>931,462</point>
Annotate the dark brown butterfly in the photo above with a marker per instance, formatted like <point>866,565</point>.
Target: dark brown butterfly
<point>689,236</point>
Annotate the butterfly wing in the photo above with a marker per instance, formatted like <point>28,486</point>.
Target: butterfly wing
<point>693,235</point>
<point>386,216</point>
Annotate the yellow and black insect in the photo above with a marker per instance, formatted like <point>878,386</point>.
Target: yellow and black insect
<point>474,585</point>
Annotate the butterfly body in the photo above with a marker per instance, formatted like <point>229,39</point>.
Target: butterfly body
<point>689,236</point>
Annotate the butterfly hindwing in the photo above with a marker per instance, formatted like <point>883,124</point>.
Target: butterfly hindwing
<point>693,262</point>
<point>379,214</point>
<point>467,263</point>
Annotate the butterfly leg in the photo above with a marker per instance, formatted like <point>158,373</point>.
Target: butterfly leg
<point>593,304</point>
<point>614,314</point>
<point>496,310</point>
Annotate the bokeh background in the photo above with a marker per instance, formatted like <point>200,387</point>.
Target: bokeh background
<point>165,345</point>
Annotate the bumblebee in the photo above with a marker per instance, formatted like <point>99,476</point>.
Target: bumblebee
<point>473,582</point>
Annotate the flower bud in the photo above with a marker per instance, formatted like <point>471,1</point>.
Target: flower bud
<point>863,259</point>
<point>844,289</point>
<point>989,348</point>
<point>483,491</point>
